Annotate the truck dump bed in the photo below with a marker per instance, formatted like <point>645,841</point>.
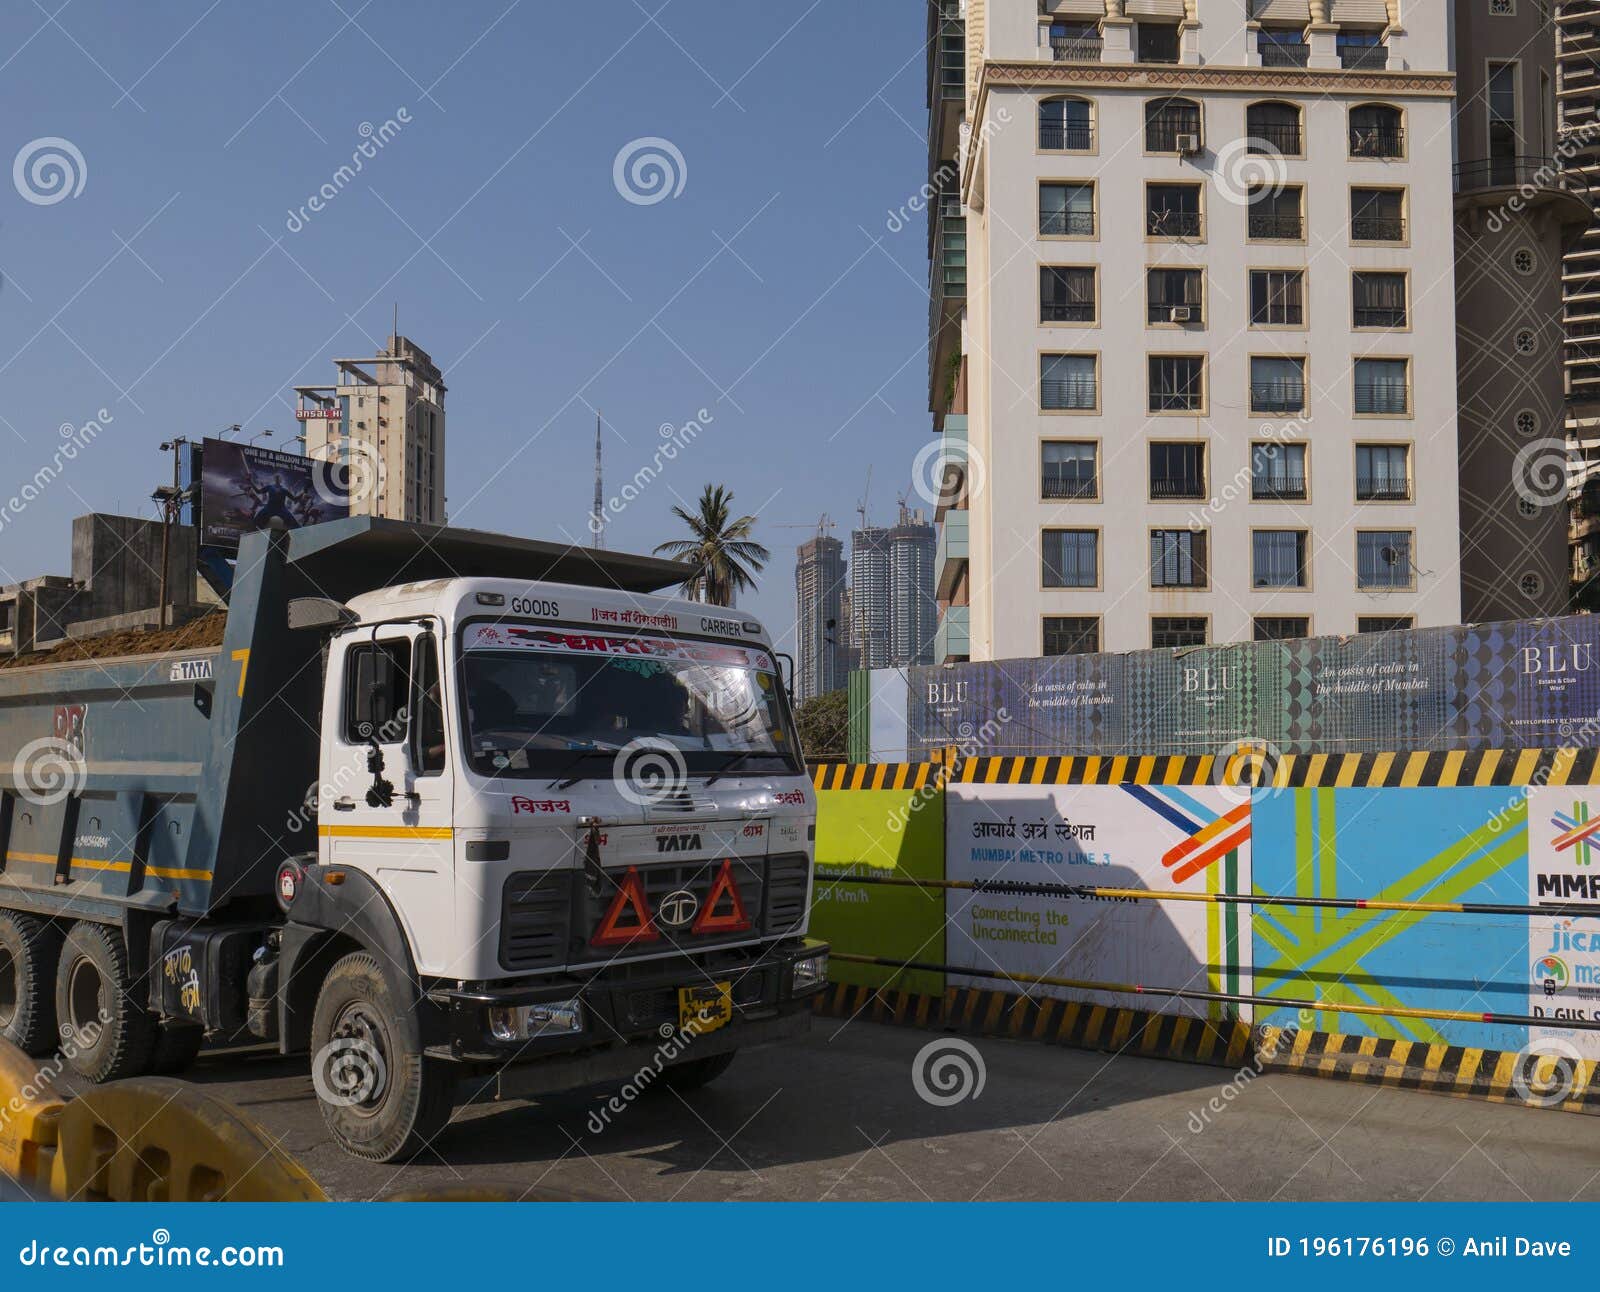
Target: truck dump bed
<point>178,781</point>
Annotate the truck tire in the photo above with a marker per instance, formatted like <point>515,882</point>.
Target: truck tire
<point>176,1048</point>
<point>29,949</point>
<point>106,1031</point>
<point>684,1077</point>
<point>379,1100</point>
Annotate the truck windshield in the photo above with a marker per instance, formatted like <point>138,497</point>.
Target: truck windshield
<point>535,697</point>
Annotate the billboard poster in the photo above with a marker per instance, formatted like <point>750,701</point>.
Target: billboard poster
<point>1163,837</point>
<point>1067,703</point>
<point>244,488</point>
<point>1199,700</point>
<point>1563,957</point>
<point>1376,691</point>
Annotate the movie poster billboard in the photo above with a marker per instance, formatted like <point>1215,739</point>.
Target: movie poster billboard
<point>245,488</point>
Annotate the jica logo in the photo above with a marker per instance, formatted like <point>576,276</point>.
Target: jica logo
<point>1552,972</point>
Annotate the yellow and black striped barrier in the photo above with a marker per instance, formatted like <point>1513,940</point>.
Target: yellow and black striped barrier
<point>1459,767</point>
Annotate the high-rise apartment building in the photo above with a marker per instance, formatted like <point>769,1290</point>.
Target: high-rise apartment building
<point>1193,346</point>
<point>913,608</point>
<point>385,415</point>
<point>819,591</point>
<point>870,610</point>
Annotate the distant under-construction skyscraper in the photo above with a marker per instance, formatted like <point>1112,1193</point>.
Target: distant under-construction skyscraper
<point>913,607</point>
<point>819,593</point>
<point>869,596</point>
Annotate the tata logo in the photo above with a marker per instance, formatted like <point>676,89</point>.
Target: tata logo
<point>1545,660</point>
<point>947,692</point>
<point>678,908</point>
<point>1209,679</point>
<point>678,843</point>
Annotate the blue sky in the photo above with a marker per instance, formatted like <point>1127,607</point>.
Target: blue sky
<point>171,292</point>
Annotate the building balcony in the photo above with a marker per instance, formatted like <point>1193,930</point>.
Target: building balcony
<point>1536,181</point>
<point>1281,53</point>
<point>1076,49</point>
<point>953,638</point>
<point>950,555</point>
<point>1378,228</point>
<point>1278,488</point>
<point>1382,489</point>
<point>1270,225</point>
<point>1364,58</point>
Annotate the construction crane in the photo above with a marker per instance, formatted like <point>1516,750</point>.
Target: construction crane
<point>861,506</point>
<point>821,526</point>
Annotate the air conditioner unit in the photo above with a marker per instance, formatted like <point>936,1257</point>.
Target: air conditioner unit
<point>1188,145</point>
<point>1180,314</point>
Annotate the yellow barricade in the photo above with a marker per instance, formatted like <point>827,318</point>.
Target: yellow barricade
<point>29,1117</point>
<point>154,1139</point>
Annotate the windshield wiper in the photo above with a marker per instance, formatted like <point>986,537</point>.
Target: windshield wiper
<point>569,775</point>
<point>733,762</point>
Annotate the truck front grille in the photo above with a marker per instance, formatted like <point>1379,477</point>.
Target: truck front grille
<point>536,912</point>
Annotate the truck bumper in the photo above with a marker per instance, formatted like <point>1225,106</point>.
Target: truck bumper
<point>629,1018</point>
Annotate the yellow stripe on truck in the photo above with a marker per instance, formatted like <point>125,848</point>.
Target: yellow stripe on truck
<point>386,831</point>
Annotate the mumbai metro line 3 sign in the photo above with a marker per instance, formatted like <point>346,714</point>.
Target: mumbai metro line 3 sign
<point>1161,837</point>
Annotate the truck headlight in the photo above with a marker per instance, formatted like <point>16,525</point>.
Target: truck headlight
<point>530,1022</point>
<point>811,972</point>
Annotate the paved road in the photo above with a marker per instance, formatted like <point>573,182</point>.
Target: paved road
<point>836,1116</point>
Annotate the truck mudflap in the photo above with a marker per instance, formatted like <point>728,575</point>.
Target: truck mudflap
<point>696,1007</point>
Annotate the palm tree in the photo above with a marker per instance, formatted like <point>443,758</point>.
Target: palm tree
<point>724,556</point>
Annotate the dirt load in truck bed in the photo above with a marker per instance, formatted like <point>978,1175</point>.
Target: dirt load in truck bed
<point>198,634</point>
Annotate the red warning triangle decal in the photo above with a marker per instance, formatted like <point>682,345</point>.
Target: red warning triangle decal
<point>612,933</point>
<point>734,920</point>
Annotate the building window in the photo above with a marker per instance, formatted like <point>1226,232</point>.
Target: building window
<point>1383,558</point>
<point>1383,473</point>
<point>1362,49</point>
<point>1172,211</point>
<point>1066,210</point>
<point>1066,294</point>
<point>1071,558</point>
<point>1504,141</point>
<point>1177,383</point>
<point>1276,212</point>
<point>1157,42</point>
<point>1068,469</point>
<point>1169,632</point>
<point>1071,635</point>
<point>1277,297</point>
<point>1379,299</point>
<point>1173,296</point>
<point>1277,385</point>
<point>1384,623</point>
<point>1171,126</point>
<point>1377,215</point>
<point>1278,558</point>
<point>1281,628</point>
<point>1277,472</point>
<point>1066,125</point>
<point>1067,381</point>
<point>1274,127</point>
<point>1177,558</point>
<point>1375,131</point>
<point>1283,47</point>
<point>1383,387</point>
<point>1177,471</point>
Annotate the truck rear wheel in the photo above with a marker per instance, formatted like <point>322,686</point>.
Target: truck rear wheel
<point>380,1100</point>
<point>29,949</point>
<point>107,1032</point>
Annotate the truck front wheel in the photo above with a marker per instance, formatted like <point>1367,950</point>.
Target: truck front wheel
<point>29,949</point>
<point>380,1100</point>
<point>107,1032</point>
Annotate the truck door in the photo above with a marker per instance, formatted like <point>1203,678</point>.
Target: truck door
<point>384,691</point>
